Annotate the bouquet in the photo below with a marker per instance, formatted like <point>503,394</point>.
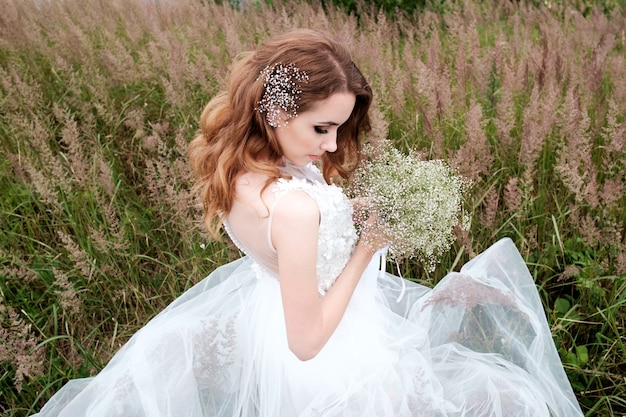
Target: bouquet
<point>416,203</point>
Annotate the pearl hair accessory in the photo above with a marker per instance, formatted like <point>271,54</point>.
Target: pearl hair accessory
<point>281,93</point>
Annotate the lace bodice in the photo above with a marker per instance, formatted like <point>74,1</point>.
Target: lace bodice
<point>249,223</point>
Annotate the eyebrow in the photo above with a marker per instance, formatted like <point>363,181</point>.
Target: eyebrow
<point>328,124</point>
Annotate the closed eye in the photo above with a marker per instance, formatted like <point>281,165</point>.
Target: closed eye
<point>320,130</point>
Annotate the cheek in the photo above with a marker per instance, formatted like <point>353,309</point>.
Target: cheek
<point>298,139</point>
<point>308,143</point>
<point>283,138</point>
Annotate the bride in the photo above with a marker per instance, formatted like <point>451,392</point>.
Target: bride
<point>306,324</point>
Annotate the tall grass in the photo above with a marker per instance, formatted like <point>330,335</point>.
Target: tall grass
<point>98,230</point>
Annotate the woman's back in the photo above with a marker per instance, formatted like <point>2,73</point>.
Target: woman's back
<point>249,223</point>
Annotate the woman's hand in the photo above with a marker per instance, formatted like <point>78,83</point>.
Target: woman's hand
<point>360,204</point>
<point>373,235</point>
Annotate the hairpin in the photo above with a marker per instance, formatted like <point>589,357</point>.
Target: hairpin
<point>281,93</point>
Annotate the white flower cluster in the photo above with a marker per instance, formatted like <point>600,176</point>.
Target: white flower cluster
<point>417,203</point>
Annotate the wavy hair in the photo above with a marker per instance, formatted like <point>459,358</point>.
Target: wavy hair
<point>234,136</point>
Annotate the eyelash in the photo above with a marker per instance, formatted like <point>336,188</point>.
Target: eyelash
<point>320,130</point>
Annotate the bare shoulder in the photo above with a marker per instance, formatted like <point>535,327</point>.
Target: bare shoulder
<point>248,182</point>
<point>295,222</point>
<point>250,193</point>
<point>295,207</point>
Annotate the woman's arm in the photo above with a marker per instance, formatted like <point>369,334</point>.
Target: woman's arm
<point>310,320</point>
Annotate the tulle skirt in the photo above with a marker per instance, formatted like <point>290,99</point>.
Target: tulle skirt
<point>478,344</point>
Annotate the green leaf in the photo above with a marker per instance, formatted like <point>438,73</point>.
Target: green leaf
<point>562,306</point>
<point>582,354</point>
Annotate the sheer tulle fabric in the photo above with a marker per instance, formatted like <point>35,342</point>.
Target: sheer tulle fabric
<point>476,345</point>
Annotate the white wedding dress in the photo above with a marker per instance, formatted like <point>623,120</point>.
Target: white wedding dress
<point>478,344</point>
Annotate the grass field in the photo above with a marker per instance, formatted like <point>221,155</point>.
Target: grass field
<point>98,99</point>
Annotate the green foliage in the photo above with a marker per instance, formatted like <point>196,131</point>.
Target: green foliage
<point>389,6</point>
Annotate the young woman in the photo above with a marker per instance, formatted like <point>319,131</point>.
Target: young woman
<point>306,324</point>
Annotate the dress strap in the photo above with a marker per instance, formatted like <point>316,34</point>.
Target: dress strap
<point>270,219</point>
<point>382,253</point>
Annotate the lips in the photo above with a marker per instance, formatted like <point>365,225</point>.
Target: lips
<point>315,157</point>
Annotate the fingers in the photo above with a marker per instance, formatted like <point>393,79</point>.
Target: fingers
<point>374,234</point>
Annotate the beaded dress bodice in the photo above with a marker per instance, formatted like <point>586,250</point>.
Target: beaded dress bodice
<point>250,229</point>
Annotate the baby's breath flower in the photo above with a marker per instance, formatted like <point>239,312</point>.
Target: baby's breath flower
<point>417,203</point>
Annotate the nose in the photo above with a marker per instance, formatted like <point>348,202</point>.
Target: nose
<point>330,144</point>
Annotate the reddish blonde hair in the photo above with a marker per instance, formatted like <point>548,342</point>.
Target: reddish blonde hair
<point>234,136</point>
